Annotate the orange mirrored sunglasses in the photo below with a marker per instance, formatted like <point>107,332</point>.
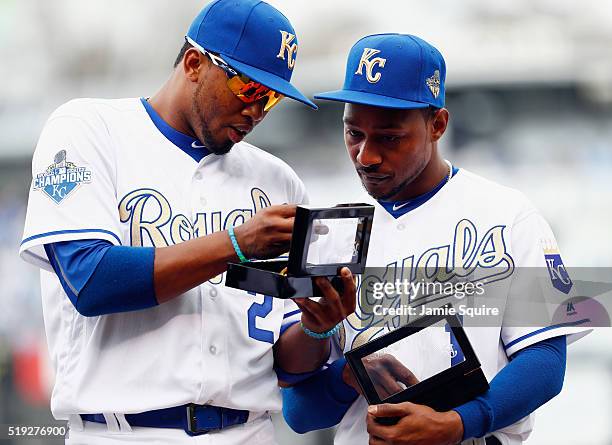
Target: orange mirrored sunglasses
<point>245,89</point>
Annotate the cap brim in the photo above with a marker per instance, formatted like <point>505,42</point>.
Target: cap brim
<point>375,100</point>
<point>272,81</point>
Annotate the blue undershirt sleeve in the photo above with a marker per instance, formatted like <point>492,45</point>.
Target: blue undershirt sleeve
<point>318,402</point>
<point>100,278</point>
<point>534,376</point>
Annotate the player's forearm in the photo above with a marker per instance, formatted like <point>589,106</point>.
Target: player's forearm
<point>186,265</point>
<point>297,353</point>
<point>533,377</point>
<point>318,402</point>
<point>183,266</point>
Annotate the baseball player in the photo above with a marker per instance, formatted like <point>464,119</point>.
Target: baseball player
<point>136,207</point>
<point>431,213</point>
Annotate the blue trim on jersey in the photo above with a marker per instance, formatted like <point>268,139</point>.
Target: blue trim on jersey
<point>411,204</point>
<point>181,140</point>
<point>291,314</point>
<point>539,331</point>
<point>61,232</point>
<point>287,326</point>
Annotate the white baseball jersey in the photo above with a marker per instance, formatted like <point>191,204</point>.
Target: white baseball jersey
<point>470,222</point>
<point>103,170</point>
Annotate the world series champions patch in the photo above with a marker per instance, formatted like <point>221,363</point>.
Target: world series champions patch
<point>61,178</point>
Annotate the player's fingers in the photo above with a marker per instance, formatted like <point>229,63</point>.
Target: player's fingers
<point>329,293</point>
<point>382,391</point>
<point>375,429</point>
<point>303,305</point>
<point>404,375</point>
<point>381,380</point>
<point>319,228</point>
<point>387,383</point>
<point>299,302</point>
<point>400,372</point>
<point>375,440</point>
<point>391,409</point>
<point>349,290</point>
<point>283,225</point>
<point>309,319</point>
<point>285,210</point>
<point>309,308</point>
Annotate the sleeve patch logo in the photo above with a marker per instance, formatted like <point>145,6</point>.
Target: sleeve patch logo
<point>556,269</point>
<point>61,178</point>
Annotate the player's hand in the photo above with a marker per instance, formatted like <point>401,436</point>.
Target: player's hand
<point>388,375</point>
<point>268,233</point>
<point>418,425</point>
<point>333,307</point>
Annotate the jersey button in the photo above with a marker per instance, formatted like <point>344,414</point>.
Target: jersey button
<point>401,226</point>
<point>213,293</point>
<point>203,201</point>
<point>213,350</point>
<point>198,176</point>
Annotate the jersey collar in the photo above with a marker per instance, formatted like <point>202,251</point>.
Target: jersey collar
<point>188,144</point>
<point>399,208</point>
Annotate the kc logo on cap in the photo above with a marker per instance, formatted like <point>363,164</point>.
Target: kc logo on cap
<point>254,39</point>
<point>286,39</point>
<point>399,71</point>
<point>369,63</point>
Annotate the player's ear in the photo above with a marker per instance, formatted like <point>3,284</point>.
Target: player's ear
<point>193,63</point>
<point>438,123</point>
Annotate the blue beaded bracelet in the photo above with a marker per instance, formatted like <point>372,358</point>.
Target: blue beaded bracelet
<point>232,236</point>
<point>321,335</point>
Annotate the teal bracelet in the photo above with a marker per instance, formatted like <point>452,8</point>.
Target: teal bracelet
<point>321,335</point>
<point>232,236</point>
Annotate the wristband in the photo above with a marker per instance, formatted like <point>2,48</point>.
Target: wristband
<point>232,236</point>
<point>320,335</point>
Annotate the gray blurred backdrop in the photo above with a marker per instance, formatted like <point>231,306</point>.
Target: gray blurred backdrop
<point>529,89</point>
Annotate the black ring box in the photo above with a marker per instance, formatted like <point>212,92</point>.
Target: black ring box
<point>265,277</point>
<point>443,391</point>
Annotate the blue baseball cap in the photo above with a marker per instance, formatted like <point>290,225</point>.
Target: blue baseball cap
<point>254,38</point>
<point>392,71</point>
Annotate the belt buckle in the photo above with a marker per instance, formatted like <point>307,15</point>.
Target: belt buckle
<point>192,421</point>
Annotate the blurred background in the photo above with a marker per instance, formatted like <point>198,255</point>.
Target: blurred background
<point>529,89</point>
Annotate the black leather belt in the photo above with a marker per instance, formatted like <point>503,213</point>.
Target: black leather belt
<point>492,440</point>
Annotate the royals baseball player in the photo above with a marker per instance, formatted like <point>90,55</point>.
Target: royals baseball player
<point>432,214</point>
<point>131,219</point>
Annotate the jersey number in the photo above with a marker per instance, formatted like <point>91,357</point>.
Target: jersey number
<point>260,310</point>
